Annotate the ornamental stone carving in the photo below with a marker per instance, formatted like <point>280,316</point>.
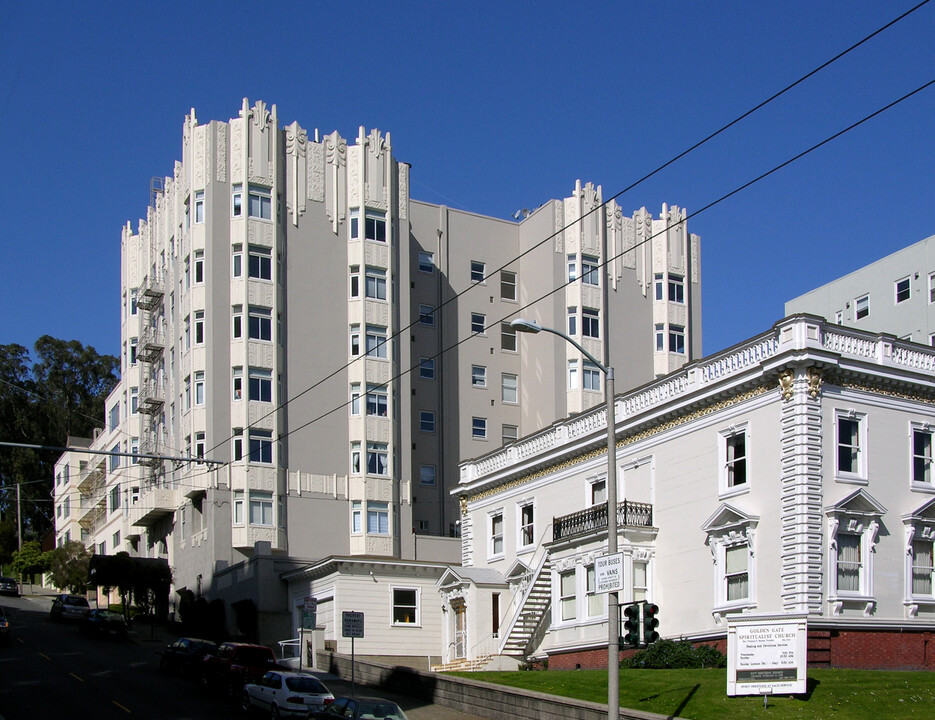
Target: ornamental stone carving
<point>316,172</point>
<point>221,153</point>
<point>786,383</point>
<point>814,382</point>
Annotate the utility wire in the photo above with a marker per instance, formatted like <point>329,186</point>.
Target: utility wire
<point>659,169</point>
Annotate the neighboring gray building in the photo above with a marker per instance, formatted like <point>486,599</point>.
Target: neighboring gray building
<point>289,310</point>
<point>895,294</point>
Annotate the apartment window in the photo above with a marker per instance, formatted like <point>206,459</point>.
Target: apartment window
<point>572,374</point>
<point>590,323</point>
<point>377,459</point>
<point>477,271</point>
<point>187,273</point>
<point>507,337</point>
<point>200,445</point>
<point>862,307</point>
<point>526,525</point>
<point>237,383</point>
<point>237,322</point>
<point>838,317</point>
<point>572,268</point>
<point>134,400</point>
<point>259,203</point>
<point>590,270</point>
<point>187,333</point>
<point>355,340</point>
<point>478,323</point>
<point>378,518</point>
<point>115,498</point>
<point>375,226</point>
<point>376,284</point>
<point>659,285</point>
<point>116,539</point>
<point>849,445</point>
<point>496,534</point>
<point>427,421</point>
<point>188,392</point>
<point>733,459</point>
<point>199,327</point>
<point>507,285</point>
<point>640,581</point>
<point>259,263</point>
<point>261,446</point>
<point>676,289</point>
<point>356,510</point>
<point>376,400</point>
<point>932,287</point>
<point>922,567</point>
<point>237,436</point>
<point>113,417</point>
<point>591,377</point>
<point>260,324</point>
<point>427,368</point>
<point>509,388</point>
<point>572,321</point>
<point>427,474</point>
<point>849,563</point>
<point>660,337</point>
<point>238,507</point>
<point>405,606</point>
<point>921,456</point>
<point>479,428</point>
<point>134,294</point>
<point>478,376</point>
<point>261,385</point>
<point>902,289</point>
<point>261,508</point>
<point>355,281</point>
<point>237,261</point>
<point>735,572</point>
<point>595,602</point>
<point>567,600</point>
<point>376,341</point>
<point>426,315</point>
<point>508,433</point>
<point>426,262</point>
<point>597,490</point>
<point>134,343</point>
<point>677,339</point>
<point>199,267</point>
<point>200,387</point>
<point>237,200</point>
<point>355,398</point>
<point>355,457</point>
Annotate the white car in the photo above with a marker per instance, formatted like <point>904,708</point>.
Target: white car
<point>284,693</point>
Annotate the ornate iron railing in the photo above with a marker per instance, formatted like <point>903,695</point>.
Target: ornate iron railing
<point>629,513</point>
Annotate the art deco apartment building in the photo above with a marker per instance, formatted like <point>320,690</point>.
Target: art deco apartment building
<point>289,310</point>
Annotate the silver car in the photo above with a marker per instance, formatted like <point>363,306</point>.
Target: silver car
<point>283,693</point>
<point>69,607</point>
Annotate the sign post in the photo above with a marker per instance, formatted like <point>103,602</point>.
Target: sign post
<point>352,626</point>
<point>309,620</point>
<point>766,654</point>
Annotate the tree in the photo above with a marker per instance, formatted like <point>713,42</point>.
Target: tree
<point>29,560</point>
<point>57,392</point>
<point>68,567</point>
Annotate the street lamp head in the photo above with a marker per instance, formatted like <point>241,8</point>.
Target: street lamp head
<point>526,326</point>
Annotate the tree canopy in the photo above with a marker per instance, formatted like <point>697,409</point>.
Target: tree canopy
<point>46,396</point>
<point>68,566</point>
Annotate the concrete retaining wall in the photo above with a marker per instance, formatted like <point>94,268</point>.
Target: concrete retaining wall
<point>496,702</point>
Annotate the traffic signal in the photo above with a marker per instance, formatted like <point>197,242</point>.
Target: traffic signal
<point>631,625</point>
<point>650,622</point>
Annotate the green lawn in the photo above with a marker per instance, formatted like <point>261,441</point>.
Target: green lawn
<point>701,694</point>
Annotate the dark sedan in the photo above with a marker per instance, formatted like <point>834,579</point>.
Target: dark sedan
<point>360,707</point>
<point>9,586</point>
<point>184,656</point>
<point>105,623</point>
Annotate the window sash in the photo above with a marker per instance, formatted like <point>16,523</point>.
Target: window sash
<point>921,456</point>
<point>735,572</point>
<point>848,445</point>
<point>922,567</point>
<point>405,605</point>
<point>849,563</point>
<point>567,595</point>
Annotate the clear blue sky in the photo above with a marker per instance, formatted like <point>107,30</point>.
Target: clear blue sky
<point>497,106</point>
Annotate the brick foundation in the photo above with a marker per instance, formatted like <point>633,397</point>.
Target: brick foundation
<point>832,648</point>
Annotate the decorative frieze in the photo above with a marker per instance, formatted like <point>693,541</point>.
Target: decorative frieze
<point>220,153</point>
<point>316,172</point>
<point>403,175</point>
<point>296,144</point>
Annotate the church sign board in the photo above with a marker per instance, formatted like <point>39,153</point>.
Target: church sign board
<point>766,654</point>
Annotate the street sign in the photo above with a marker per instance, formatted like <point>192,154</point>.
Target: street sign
<point>352,624</point>
<point>608,573</point>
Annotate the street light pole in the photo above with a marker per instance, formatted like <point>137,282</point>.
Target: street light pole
<point>613,607</point>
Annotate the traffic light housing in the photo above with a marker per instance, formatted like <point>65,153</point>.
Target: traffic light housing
<point>631,625</point>
<point>650,622</point>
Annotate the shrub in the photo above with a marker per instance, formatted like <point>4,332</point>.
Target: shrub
<point>666,654</point>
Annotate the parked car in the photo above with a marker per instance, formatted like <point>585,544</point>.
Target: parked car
<point>105,623</point>
<point>9,586</point>
<point>235,665</point>
<point>359,708</point>
<point>69,607</point>
<point>185,655</point>
<point>285,693</point>
<point>4,627</point>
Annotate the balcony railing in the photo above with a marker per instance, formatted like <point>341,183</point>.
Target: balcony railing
<point>583,522</point>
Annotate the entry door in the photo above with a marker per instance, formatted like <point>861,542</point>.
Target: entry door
<point>460,631</point>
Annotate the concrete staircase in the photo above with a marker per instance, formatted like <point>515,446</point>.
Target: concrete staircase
<point>463,665</point>
<point>537,604</point>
